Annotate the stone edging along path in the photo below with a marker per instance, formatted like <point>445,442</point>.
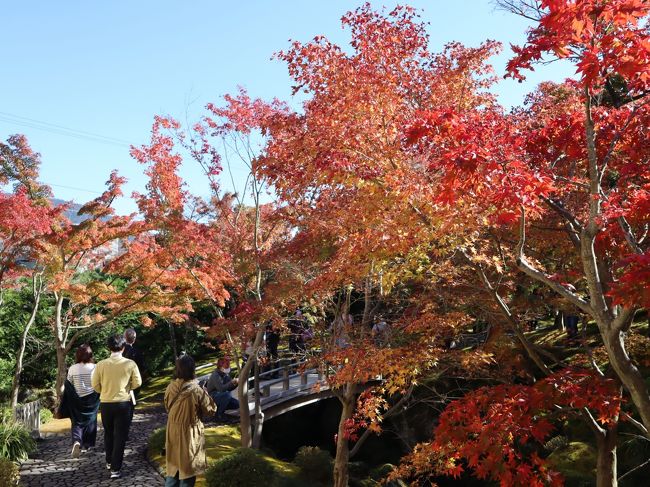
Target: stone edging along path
<point>52,466</point>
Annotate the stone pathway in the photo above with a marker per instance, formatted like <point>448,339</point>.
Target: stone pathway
<point>52,466</point>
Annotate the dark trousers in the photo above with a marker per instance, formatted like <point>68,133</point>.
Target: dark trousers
<point>272,343</point>
<point>175,482</point>
<point>131,412</point>
<point>116,421</point>
<point>85,435</point>
<point>224,402</point>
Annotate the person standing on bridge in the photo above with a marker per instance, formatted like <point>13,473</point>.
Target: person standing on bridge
<point>219,386</point>
<point>186,403</point>
<point>114,379</point>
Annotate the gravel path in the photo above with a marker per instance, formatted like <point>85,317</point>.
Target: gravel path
<point>52,466</point>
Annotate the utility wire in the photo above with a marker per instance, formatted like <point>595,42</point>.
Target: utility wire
<point>61,130</point>
<point>73,188</point>
<point>64,128</point>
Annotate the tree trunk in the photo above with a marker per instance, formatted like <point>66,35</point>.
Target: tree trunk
<point>628,373</point>
<point>367,300</point>
<point>172,338</point>
<point>244,409</point>
<point>341,473</point>
<point>609,324</point>
<point>259,415</point>
<point>20,355</point>
<point>59,347</point>
<point>398,407</point>
<point>606,468</point>
<point>61,371</point>
<point>242,392</point>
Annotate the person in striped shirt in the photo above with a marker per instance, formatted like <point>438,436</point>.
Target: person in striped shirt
<point>83,408</point>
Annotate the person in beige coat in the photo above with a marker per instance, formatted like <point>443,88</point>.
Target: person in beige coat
<point>186,403</point>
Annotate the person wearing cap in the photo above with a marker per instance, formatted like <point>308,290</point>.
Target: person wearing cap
<point>219,386</point>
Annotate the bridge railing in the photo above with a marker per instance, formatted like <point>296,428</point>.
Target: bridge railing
<point>285,380</point>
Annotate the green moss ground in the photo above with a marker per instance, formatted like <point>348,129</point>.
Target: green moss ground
<point>224,440</point>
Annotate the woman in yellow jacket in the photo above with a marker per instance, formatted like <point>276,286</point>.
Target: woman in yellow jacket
<point>186,403</point>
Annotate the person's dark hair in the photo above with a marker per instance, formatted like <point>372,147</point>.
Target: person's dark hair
<point>185,367</point>
<point>116,343</point>
<point>130,335</point>
<point>84,354</point>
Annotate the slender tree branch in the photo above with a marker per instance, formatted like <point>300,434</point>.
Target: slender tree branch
<point>529,270</point>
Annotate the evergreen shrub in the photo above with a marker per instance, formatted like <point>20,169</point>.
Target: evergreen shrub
<point>8,473</point>
<point>156,443</point>
<point>315,464</point>
<point>45,415</point>
<point>243,468</point>
<point>15,441</point>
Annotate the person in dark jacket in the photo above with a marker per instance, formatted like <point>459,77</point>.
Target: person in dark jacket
<point>296,325</point>
<point>133,353</point>
<point>272,340</point>
<point>219,386</point>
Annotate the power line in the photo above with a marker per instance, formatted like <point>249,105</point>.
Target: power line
<point>61,130</point>
<point>73,188</point>
<point>65,128</point>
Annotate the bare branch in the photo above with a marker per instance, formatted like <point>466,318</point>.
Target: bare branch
<point>634,470</point>
<point>629,235</point>
<point>529,270</point>
<point>637,424</point>
<point>528,9</point>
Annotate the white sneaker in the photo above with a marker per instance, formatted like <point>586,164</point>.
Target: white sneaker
<point>76,449</point>
<point>116,475</point>
<point>108,466</point>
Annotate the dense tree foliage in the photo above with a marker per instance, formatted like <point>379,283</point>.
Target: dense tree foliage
<point>405,197</point>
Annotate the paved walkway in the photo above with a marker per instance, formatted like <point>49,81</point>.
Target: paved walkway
<point>52,466</point>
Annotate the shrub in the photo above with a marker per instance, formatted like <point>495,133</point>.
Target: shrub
<point>364,483</point>
<point>288,481</point>
<point>576,462</point>
<point>556,443</point>
<point>156,443</point>
<point>382,471</point>
<point>15,441</point>
<point>315,464</point>
<point>243,468</point>
<point>6,415</point>
<point>46,415</point>
<point>8,473</point>
<point>358,470</point>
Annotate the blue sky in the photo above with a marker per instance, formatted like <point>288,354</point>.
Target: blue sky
<point>107,68</point>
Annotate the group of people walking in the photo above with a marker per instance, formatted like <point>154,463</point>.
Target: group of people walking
<point>109,387</point>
